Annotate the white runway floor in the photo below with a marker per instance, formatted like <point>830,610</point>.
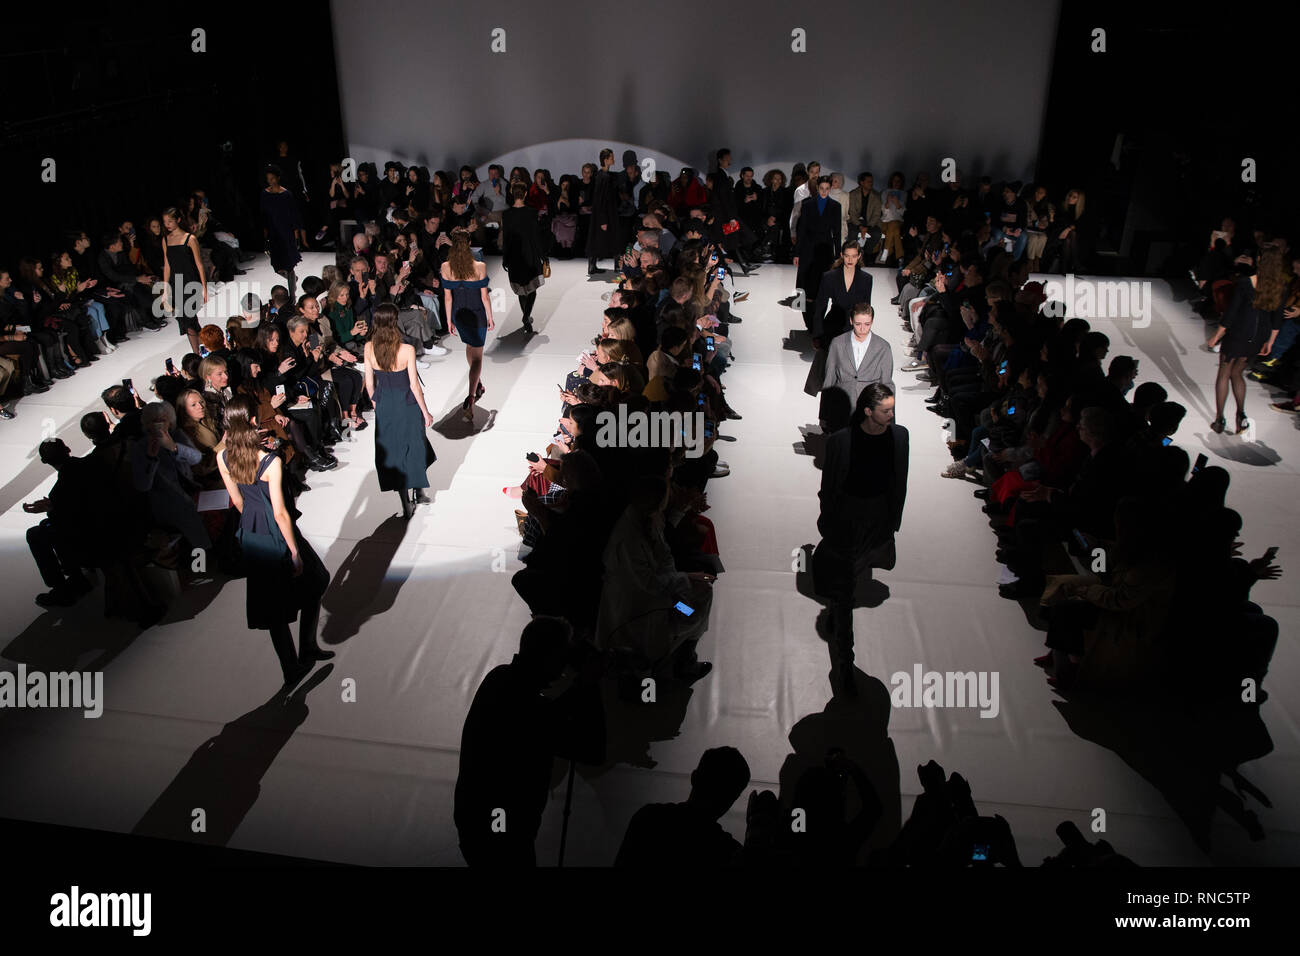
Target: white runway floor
<point>420,613</point>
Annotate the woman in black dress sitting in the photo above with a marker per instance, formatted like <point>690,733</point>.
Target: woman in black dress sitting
<point>402,450</point>
<point>286,579</point>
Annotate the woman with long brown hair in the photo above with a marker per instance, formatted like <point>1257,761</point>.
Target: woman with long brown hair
<point>468,310</point>
<point>286,579</point>
<point>1249,327</point>
<point>202,433</point>
<point>402,450</point>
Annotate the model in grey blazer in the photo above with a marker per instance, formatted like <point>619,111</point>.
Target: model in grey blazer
<point>877,366</point>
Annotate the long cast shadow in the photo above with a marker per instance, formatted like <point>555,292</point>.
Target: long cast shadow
<point>1168,751</point>
<point>364,584</point>
<point>860,727</point>
<point>223,777</point>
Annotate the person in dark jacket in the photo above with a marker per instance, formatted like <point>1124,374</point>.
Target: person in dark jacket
<point>688,835</point>
<point>521,251</point>
<point>602,239</point>
<point>817,243</point>
<point>511,737</point>
<point>863,491</point>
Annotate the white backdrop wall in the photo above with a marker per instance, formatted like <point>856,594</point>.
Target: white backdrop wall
<point>420,82</point>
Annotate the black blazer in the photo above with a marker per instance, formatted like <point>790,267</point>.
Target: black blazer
<point>831,291</point>
<point>814,229</point>
<point>835,471</point>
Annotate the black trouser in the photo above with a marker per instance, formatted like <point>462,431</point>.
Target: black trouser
<point>839,561</point>
<point>348,383</point>
<point>224,261</point>
<point>115,308</point>
<point>1035,526</point>
<point>809,278</point>
<point>934,332</point>
<point>51,551</point>
<point>966,406</point>
<point>696,472</point>
<point>1067,622</point>
<point>74,324</point>
<point>24,352</point>
<point>306,425</point>
<point>309,588</point>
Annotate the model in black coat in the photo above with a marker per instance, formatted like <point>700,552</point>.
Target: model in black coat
<point>816,245</point>
<point>602,239</point>
<point>832,292</point>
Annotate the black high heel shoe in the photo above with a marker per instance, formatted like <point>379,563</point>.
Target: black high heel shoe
<point>1242,418</point>
<point>1216,426</point>
<point>479,392</point>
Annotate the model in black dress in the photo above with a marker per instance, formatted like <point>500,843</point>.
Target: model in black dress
<point>602,240</point>
<point>521,252</point>
<point>1249,327</point>
<point>282,225</point>
<point>184,284</point>
<point>286,578</point>
<point>402,450</point>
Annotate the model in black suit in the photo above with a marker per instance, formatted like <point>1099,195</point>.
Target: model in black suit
<point>864,487</point>
<point>817,243</point>
<point>602,240</point>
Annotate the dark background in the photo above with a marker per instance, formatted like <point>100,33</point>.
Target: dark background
<point>135,119</point>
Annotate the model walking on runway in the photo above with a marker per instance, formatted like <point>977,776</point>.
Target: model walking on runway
<point>402,450</point>
<point>285,576</point>
<point>468,309</point>
<point>521,252</point>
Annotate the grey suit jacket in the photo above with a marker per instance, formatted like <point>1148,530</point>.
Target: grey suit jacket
<point>877,366</point>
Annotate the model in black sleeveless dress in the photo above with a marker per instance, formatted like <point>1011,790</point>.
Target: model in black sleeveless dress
<point>276,596</point>
<point>186,285</point>
<point>402,450</point>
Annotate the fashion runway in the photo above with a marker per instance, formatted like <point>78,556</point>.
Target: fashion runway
<point>360,767</point>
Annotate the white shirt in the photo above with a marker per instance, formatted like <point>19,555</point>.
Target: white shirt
<point>859,349</point>
<point>841,197</point>
<point>800,194</point>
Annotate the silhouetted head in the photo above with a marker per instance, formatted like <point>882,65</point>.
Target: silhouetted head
<point>95,427</point>
<point>720,778</point>
<point>820,793</point>
<point>1170,469</point>
<point>1208,488</point>
<point>54,453</point>
<point>118,400</point>
<point>1148,395</point>
<point>1166,417</point>
<point>1222,525</point>
<point>543,648</point>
